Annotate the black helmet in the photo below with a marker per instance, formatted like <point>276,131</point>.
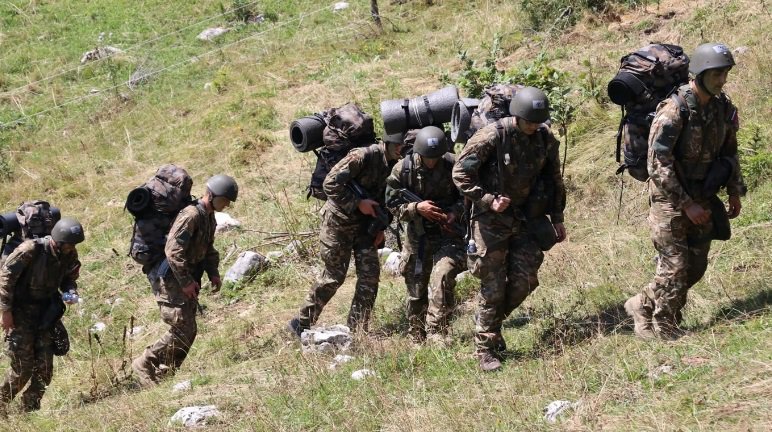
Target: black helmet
<point>710,56</point>
<point>430,142</point>
<point>395,138</point>
<point>531,104</point>
<point>223,185</point>
<point>68,230</point>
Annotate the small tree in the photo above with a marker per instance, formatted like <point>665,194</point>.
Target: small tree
<point>376,15</point>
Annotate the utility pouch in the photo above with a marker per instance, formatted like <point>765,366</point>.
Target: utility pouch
<point>52,313</point>
<point>542,232</point>
<point>718,175</point>
<point>721,228</point>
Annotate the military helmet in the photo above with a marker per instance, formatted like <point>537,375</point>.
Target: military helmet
<point>430,142</point>
<point>531,104</point>
<point>710,56</point>
<point>68,230</point>
<point>223,185</point>
<point>395,138</point>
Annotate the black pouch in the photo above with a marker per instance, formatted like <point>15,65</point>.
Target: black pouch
<point>52,313</point>
<point>718,175</point>
<point>721,228</point>
<point>542,232</point>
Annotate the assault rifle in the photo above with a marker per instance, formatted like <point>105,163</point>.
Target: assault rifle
<point>405,196</point>
<point>381,220</point>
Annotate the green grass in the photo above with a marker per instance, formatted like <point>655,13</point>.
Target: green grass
<point>570,340</point>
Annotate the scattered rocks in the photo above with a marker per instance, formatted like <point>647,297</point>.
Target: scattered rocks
<point>98,327</point>
<point>274,255</point>
<point>326,339</point>
<point>193,416</point>
<point>339,359</point>
<point>741,50</point>
<point>225,222</point>
<point>362,374</point>
<point>247,264</point>
<point>182,386</point>
<point>392,263</point>
<point>99,53</point>
<point>661,370</point>
<point>211,34</point>
<point>339,6</point>
<point>555,408</point>
<point>294,247</point>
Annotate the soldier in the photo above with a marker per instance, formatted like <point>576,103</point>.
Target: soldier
<point>347,224</point>
<point>499,170</point>
<point>176,280</point>
<point>693,142</point>
<point>434,250</point>
<point>30,283</point>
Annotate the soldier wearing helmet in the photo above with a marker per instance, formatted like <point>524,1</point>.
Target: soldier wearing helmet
<point>503,167</point>
<point>176,280</point>
<point>32,281</point>
<point>692,153</point>
<point>434,249</point>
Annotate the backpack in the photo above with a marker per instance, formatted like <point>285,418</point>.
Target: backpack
<point>347,127</point>
<point>154,206</point>
<point>645,78</point>
<point>31,220</point>
<point>492,107</point>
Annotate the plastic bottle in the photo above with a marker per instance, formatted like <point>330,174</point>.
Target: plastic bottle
<point>471,248</point>
<point>70,297</point>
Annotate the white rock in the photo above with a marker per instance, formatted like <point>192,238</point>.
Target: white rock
<point>208,86</point>
<point>293,247</point>
<point>182,386</point>
<point>741,50</point>
<point>225,222</point>
<point>212,33</point>
<point>661,370</point>
<point>339,360</point>
<point>392,263</point>
<point>362,374</point>
<point>339,6</point>
<point>274,255</point>
<point>134,331</point>
<point>385,252</point>
<point>98,53</point>
<point>98,327</point>
<point>326,339</point>
<point>555,408</point>
<point>193,416</point>
<point>462,275</point>
<point>246,264</point>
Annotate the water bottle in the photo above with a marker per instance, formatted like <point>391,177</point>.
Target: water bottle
<point>70,297</point>
<point>471,248</point>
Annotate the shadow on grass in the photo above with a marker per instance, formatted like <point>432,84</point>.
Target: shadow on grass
<point>742,309</point>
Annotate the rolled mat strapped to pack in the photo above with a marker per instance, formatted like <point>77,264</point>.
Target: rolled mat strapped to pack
<point>461,119</point>
<point>139,200</point>
<point>306,133</point>
<point>434,108</point>
<point>8,223</point>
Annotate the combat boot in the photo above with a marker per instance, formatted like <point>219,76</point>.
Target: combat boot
<point>667,328</point>
<point>488,362</point>
<point>642,318</point>
<point>146,375</point>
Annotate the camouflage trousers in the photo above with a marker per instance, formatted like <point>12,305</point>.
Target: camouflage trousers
<point>168,352</point>
<point>338,238</point>
<point>682,253</point>
<point>430,265</point>
<point>32,359</point>
<point>507,262</point>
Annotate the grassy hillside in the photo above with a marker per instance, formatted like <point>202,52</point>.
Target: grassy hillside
<point>224,106</point>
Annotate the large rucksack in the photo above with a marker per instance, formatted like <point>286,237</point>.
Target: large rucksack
<point>31,220</point>
<point>492,107</point>
<point>347,127</point>
<point>645,78</point>
<point>154,206</point>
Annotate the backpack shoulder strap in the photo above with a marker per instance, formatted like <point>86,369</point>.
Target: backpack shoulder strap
<point>405,177</point>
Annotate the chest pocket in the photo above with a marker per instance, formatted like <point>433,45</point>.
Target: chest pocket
<point>701,139</point>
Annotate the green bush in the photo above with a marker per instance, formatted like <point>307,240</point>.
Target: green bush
<point>559,14</point>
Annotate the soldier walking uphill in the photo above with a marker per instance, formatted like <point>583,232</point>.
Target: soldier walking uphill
<point>30,299</point>
<point>347,219</point>
<point>692,153</point>
<point>176,280</point>
<point>501,168</point>
<point>434,251</point>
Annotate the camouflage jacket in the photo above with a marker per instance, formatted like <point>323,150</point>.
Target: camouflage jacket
<point>430,184</point>
<point>34,272</point>
<point>679,157</point>
<point>190,245</point>
<point>525,158</point>
<point>367,166</point>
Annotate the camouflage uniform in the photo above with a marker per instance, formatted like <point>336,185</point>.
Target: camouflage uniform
<point>189,253</point>
<point>507,258</point>
<point>30,282</point>
<point>344,228</point>
<point>679,159</point>
<point>431,257</point>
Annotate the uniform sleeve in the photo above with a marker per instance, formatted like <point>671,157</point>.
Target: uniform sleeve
<point>180,235</point>
<point>736,185</point>
<point>403,211</point>
<point>71,274</point>
<point>344,171</point>
<point>552,169</point>
<point>466,170</point>
<point>665,130</point>
<point>10,272</point>
<point>212,261</point>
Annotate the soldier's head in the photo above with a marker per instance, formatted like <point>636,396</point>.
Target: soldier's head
<point>66,234</point>
<point>710,65</point>
<point>531,108</point>
<point>393,149</point>
<point>221,190</point>
<point>430,143</point>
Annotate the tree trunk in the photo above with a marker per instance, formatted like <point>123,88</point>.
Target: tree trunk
<point>376,15</point>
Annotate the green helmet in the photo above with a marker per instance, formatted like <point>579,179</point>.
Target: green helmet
<point>430,142</point>
<point>531,104</point>
<point>223,185</point>
<point>710,56</point>
<point>68,230</point>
